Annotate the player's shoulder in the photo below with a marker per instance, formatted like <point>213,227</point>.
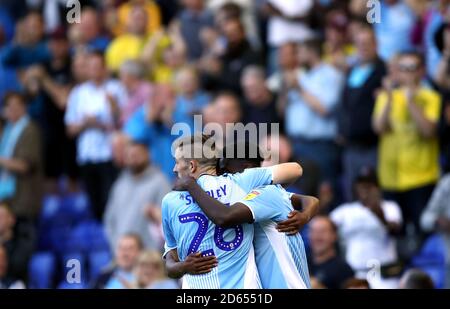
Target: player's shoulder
<point>173,197</point>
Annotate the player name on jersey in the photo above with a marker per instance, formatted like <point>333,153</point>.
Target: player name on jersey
<point>216,194</point>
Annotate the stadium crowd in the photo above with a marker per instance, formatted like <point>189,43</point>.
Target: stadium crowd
<point>88,108</point>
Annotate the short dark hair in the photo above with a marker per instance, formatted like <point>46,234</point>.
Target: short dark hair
<point>232,10</point>
<point>417,279</point>
<point>249,149</point>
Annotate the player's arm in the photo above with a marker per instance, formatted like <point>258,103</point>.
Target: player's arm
<point>305,207</point>
<point>195,264</point>
<point>286,172</point>
<point>216,211</point>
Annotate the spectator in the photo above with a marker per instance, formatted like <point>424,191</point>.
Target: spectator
<point>20,161</point>
<point>395,33</point>
<point>5,281</point>
<point>191,99</point>
<point>225,109</point>
<point>325,266</point>
<point>194,18</point>
<point>224,73</point>
<point>365,228</point>
<point>151,124</point>
<point>288,21</point>
<point>50,85</point>
<point>287,64</point>
<point>337,50</point>
<point>436,216</point>
<point>29,46</point>
<point>242,9</point>
<point>139,91</point>
<point>18,243</point>
<point>153,21</point>
<point>93,112</point>
<point>310,111</point>
<point>87,35</point>
<point>356,107</point>
<point>280,150</point>
<point>164,54</point>
<point>150,273</point>
<point>259,103</point>
<point>138,190</point>
<point>127,253</point>
<point>416,279</point>
<point>406,121</point>
<point>129,45</point>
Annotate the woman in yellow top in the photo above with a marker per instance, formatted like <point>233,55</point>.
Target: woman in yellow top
<point>406,120</point>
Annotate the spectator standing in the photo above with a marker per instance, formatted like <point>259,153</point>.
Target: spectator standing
<point>406,121</point>
<point>310,112</point>
<point>20,161</point>
<point>129,45</point>
<point>93,112</point>
<point>356,106</point>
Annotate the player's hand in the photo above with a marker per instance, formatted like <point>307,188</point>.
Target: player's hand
<point>183,183</point>
<point>296,220</point>
<point>196,264</point>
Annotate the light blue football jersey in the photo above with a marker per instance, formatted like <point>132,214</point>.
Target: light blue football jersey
<point>280,259</point>
<point>187,229</point>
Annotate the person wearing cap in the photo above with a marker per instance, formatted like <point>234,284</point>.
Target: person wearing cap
<point>366,227</point>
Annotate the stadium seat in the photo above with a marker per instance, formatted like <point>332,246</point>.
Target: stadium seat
<point>42,268</point>
<point>76,206</point>
<point>431,259</point>
<point>97,261</point>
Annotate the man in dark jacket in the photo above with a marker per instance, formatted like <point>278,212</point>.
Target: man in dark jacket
<point>355,112</point>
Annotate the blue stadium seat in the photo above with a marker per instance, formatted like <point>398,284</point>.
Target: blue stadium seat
<point>431,259</point>
<point>98,260</point>
<point>42,268</point>
<point>76,206</point>
<point>50,207</point>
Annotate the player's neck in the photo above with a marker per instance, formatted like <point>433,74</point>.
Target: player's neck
<point>205,171</point>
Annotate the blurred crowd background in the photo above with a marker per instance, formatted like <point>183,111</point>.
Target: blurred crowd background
<point>87,111</point>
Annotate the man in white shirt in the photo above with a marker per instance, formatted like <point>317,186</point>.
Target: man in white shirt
<point>365,228</point>
<point>287,22</point>
<point>93,112</point>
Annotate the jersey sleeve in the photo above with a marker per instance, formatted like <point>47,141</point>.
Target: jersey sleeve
<point>266,203</point>
<point>170,241</point>
<point>254,177</point>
